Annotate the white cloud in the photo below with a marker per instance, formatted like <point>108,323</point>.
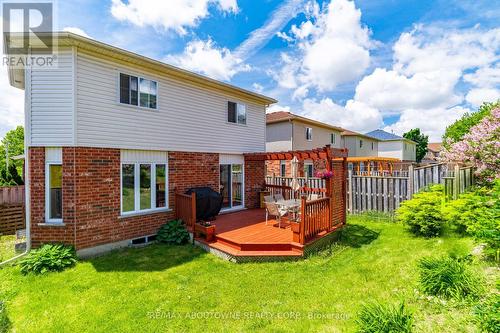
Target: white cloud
<point>277,20</point>
<point>432,122</point>
<point>176,15</point>
<point>485,77</point>
<point>77,31</point>
<point>11,104</point>
<point>428,48</point>
<point>205,57</point>
<point>257,87</point>
<point>478,96</point>
<point>222,63</point>
<point>332,49</point>
<point>11,101</point>
<point>355,115</point>
<point>277,107</point>
<point>392,92</point>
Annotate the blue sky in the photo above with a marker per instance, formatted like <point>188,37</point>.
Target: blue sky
<point>361,65</point>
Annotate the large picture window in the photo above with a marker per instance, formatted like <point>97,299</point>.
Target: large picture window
<point>138,91</point>
<point>144,187</point>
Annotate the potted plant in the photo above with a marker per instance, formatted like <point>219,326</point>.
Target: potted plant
<point>324,174</point>
<point>206,229</point>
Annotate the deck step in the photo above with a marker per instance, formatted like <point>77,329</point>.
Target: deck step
<point>242,253</point>
<point>258,246</point>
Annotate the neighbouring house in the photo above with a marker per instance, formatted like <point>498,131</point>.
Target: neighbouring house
<point>394,146</point>
<point>286,131</point>
<point>359,145</point>
<point>110,135</point>
<point>432,154</point>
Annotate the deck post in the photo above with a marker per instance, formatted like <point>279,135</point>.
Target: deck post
<point>303,220</point>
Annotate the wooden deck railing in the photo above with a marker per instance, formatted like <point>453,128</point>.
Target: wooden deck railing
<point>285,190</point>
<point>315,218</point>
<point>185,208</point>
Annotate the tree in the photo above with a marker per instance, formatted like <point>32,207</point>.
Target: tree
<point>15,141</point>
<point>10,177</point>
<point>479,147</point>
<point>456,131</point>
<point>421,140</point>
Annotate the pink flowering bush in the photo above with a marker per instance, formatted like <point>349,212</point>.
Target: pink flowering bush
<point>480,148</point>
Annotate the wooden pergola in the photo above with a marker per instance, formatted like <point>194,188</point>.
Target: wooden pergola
<point>322,215</point>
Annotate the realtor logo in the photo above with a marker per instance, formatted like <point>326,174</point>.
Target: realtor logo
<point>28,34</point>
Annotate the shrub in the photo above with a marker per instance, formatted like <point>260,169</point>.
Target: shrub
<point>48,258</point>
<point>476,213</point>
<point>377,318</point>
<point>4,319</point>
<point>173,232</point>
<point>488,314</point>
<point>422,214</point>
<point>449,277</point>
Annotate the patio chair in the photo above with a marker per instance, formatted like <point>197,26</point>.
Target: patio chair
<point>274,210</point>
<point>279,197</point>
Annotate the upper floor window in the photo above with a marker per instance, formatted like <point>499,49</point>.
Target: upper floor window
<point>236,113</point>
<point>360,143</point>
<point>138,91</point>
<point>332,138</point>
<point>309,133</point>
<point>373,146</point>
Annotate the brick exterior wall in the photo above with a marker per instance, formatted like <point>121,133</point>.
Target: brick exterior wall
<point>254,182</point>
<point>91,195</point>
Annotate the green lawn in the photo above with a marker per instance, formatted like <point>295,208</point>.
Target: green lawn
<point>7,247</point>
<point>121,291</point>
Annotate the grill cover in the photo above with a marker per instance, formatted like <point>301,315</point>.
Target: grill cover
<point>208,202</point>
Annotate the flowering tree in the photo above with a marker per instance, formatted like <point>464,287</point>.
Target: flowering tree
<point>480,147</point>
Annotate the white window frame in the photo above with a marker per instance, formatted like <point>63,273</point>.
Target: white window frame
<point>282,164</point>
<point>237,110</point>
<point>139,77</point>
<point>310,131</point>
<point>333,138</point>
<point>137,191</point>
<point>306,166</point>
<point>53,156</point>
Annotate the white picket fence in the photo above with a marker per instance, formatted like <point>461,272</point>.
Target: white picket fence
<point>311,182</point>
<point>384,193</point>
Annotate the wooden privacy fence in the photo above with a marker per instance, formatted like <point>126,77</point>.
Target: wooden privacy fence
<point>384,193</point>
<point>11,209</point>
<point>12,195</point>
<point>185,208</point>
<point>315,218</point>
<point>458,181</point>
<point>11,219</point>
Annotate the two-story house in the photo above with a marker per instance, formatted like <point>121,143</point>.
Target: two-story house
<point>359,145</point>
<point>286,131</point>
<point>110,135</point>
<point>394,146</point>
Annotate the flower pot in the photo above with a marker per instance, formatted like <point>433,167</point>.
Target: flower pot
<point>207,231</point>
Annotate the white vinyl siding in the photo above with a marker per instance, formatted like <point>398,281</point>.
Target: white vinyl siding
<point>51,101</point>
<point>187,118</point>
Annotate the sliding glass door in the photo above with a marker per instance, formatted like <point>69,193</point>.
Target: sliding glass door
<point>231,185</point>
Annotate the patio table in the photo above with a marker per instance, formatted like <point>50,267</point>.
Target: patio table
<point>291,206</point>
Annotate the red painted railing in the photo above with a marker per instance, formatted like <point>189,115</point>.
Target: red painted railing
<point>315,218</point>
<point>185,208</point>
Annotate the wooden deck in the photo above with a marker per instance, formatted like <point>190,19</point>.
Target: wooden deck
<point>245,233</point>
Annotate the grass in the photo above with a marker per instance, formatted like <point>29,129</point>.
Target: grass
<point>169,288</point>
<point>7,247</point>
